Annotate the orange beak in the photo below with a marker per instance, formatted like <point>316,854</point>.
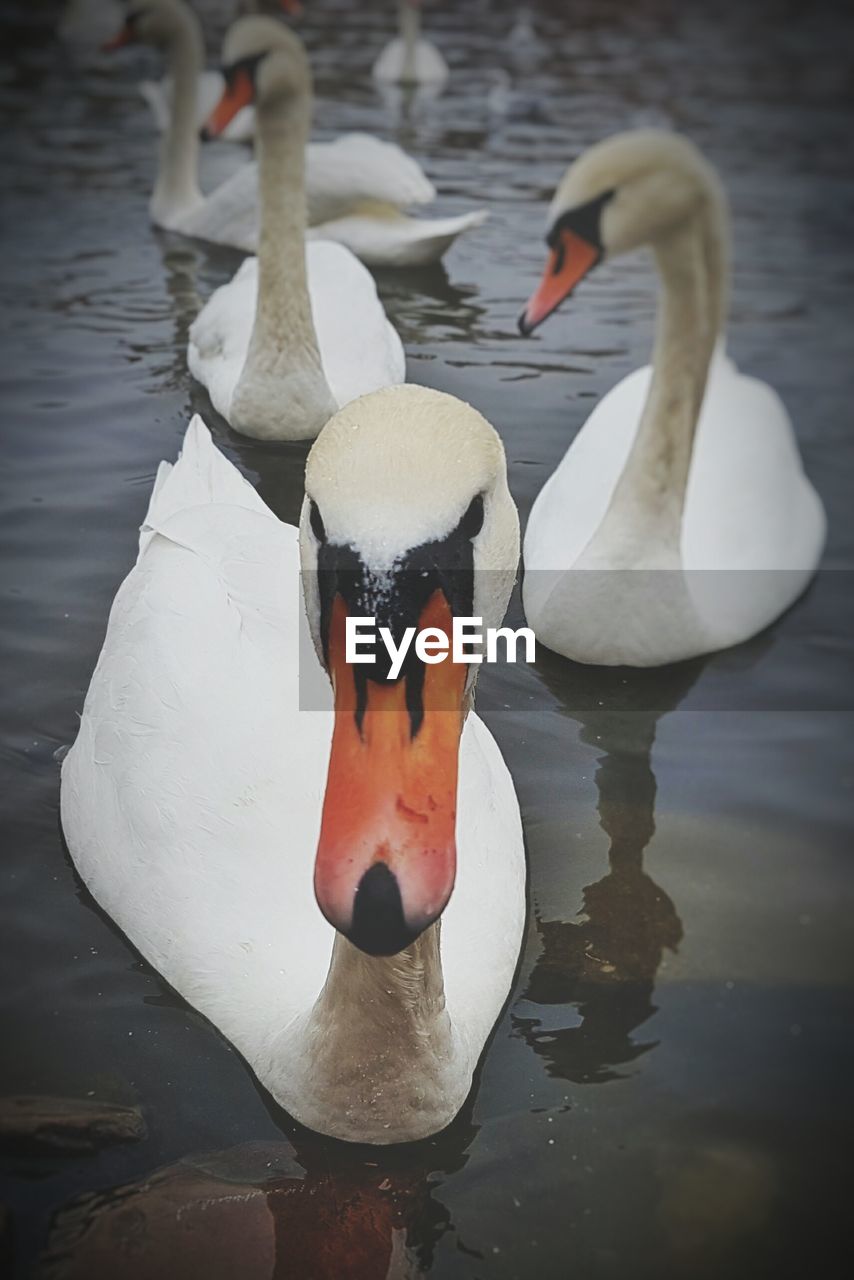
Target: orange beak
<point>386,857</point>
<point>238,93</point>
<point>569,262</point>
<point>122,37</point>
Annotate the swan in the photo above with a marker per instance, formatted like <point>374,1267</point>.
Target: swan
<point>209,85</point>
<point>300,330</point>
<point>680,520</point>
<point>356,186</point>
<point>409,58</point>
<point>83,24</point>
<point>212,799</point>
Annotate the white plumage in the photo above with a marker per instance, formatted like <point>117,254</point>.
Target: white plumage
<point>680,520</point>
<point>753,529</point>
<point>191,798</point>
<point>359,349</point>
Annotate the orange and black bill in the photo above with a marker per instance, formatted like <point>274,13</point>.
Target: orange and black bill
<point>386,856</point>
<point>239,92</point>
<point>575,244</point>
<point>571,258</point>
<point>124,36</point>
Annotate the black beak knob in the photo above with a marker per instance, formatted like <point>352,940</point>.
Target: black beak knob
<point>379,926</point>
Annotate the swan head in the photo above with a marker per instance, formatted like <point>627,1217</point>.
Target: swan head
<point>635,188</point>
<point>408,520</point>
<point>263,63</point>
<point>152,22</point>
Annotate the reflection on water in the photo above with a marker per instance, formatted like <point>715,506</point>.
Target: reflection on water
<point>306,1211</point>
<point>604,965</point>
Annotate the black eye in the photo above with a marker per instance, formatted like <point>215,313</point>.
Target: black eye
<point>472,522</point>
<point>316,521</point>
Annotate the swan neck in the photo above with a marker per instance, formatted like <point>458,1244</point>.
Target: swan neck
<point>645,514</point>
<point>177,187</point>
<point>283,349</point>
<point>282,277</point>
<point>409,25</point>
<point>379,1039</point>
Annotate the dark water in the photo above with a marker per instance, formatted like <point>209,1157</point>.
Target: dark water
<point>668,1092</point>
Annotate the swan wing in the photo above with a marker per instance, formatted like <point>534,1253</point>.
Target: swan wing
<point>219,336</point>
<point>356,168</point>
<point>381,236</point>
<point>483,923</point>
<point>359,348</point>
<point>748,507</point>
<point>191,797</point>
<point>230,214</point>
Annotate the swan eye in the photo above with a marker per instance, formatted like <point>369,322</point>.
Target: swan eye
<point>584,220</point>
<point>316,521</point>
<point>472,522</point>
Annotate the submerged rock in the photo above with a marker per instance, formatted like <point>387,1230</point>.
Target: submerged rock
<point>66,1124</point>
<point>253,1212</point>
<point>181,1222</point>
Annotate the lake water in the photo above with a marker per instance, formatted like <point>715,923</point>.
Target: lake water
<point>669,1089</point>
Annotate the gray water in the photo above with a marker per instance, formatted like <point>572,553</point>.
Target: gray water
<point>668,1091</point>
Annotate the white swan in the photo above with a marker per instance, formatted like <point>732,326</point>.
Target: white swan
<point>409,59</point>
<point>300,330</point>
<point>356,186</point>
<point>680,520</point>
<point>199,802</point>
<point>209,85</point>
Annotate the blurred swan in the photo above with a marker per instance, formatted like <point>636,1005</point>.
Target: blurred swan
<point>85,23</point>
<point>506,102</point>
<point>680,520</point>
<point>409,59</point>
<point>356,186</point>
<point>218,823</point>
<point>209,84</point>
<point>300,330</point>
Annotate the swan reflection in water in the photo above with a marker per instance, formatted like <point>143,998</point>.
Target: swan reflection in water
<point>605,963</point>
<point>312,1210</point>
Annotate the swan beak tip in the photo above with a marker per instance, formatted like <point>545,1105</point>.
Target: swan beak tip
<point>525,326</point>
<point>379,926</point>
<point>205,134</point>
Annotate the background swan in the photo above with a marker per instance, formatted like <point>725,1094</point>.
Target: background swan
<point>356,186</point>
<point>680,520</point>
<point>300,330</point>
<point>199,801</point>
<point>409,59</point>
<point>209,83</point>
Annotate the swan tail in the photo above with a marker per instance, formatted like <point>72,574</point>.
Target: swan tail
<point>358,167</point>
<point>431,240</point>
<point>202,476</point>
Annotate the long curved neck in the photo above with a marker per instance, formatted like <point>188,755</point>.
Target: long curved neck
<point>379,1039</point>
<point>409,25</point>
<point>283,358</point>
<point>176,190</point>
<point>644,520</point>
